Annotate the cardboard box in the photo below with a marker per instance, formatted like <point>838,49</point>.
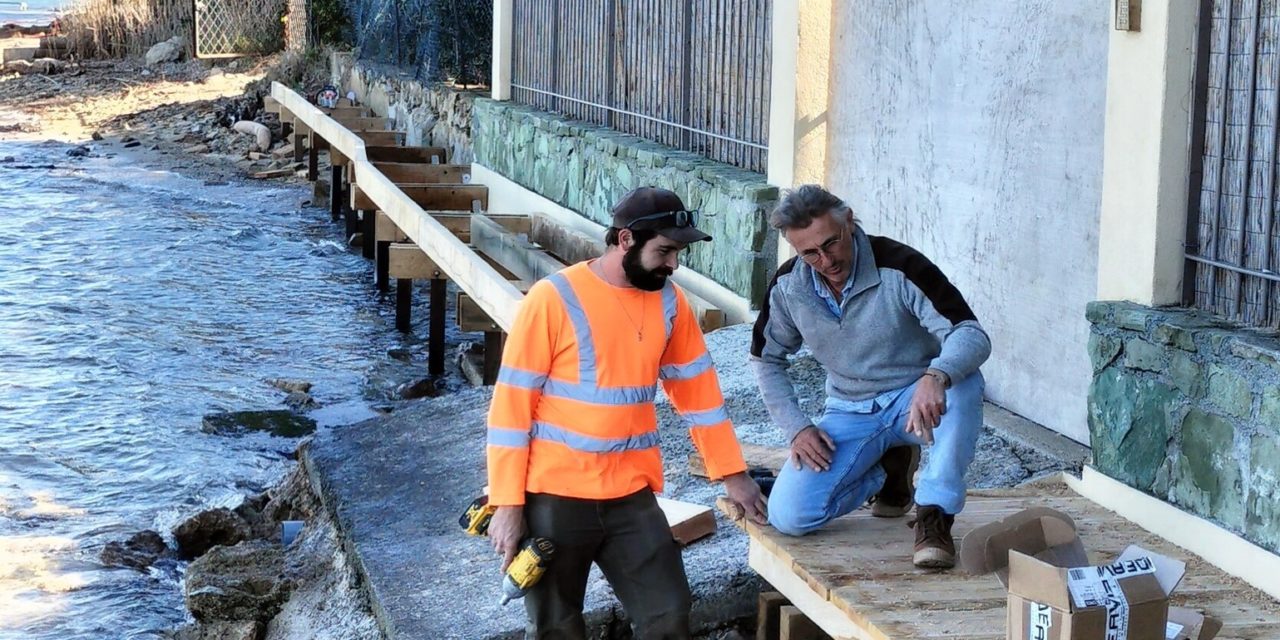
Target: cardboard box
<point>1056,594</point>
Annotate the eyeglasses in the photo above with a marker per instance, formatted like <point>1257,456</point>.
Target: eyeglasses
<point>827,249</point>
<point>678,219</point>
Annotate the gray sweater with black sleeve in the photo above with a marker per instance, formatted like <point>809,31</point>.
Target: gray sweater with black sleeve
<point>901,317</point>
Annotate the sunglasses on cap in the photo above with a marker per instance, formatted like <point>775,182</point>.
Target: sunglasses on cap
<point>666,219</point>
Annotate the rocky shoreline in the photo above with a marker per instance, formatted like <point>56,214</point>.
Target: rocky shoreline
<point>245,583</point>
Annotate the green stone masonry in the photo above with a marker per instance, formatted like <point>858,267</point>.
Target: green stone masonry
<point>586,168</point>
<point>1186,407</point>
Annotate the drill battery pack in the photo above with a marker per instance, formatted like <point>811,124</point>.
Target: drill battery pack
<point>475,520</point>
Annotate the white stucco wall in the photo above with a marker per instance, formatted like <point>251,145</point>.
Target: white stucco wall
<point>973,131</point>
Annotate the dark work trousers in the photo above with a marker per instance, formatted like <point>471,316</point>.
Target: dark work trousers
<point>630,540</point>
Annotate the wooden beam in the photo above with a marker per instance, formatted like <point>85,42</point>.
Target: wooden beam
<point>419,173</point>
<point>689,522</point>
<point>473,319</point>
<point>431,197</point>
<point>406,261</point>
<point>380,138</point>
<point>362,123</point>
<point>526,260</point>
<point>426,155</point>
<point>270,105</point>
<point>346,112</point>
<point>768,610</point>
<point>793,624</point>
<point>386,231</point>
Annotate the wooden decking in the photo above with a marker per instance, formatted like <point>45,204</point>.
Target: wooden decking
<point>855,579</point>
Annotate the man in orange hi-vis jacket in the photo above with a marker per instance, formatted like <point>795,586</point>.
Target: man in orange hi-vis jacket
<point>572,438</point>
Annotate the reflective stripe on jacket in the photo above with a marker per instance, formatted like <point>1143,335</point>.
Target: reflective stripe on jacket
<point>572,412</point>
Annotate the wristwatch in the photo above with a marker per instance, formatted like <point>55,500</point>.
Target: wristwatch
<point>941,376</point>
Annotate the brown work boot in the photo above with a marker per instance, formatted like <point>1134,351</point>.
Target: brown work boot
<point>935,548</point>
<point>899,491</point>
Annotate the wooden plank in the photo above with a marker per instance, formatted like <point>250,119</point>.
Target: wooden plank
<point>419,173</point>
<point>473,319</point>
<point>386,231</point>
<point>757,456</point>
<point>433,197</point>
<point>407,261</point>
<point>689,522</point>
<point>380,138</point>
<point>270,105</point>
<point>768,610</point>
<point>524,259</point>
<point>794,625</point>
<point>362,123</point>
<point>346,112</point>
<point>383,153</point>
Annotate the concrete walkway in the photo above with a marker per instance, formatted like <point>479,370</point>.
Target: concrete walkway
<point>397,486</point>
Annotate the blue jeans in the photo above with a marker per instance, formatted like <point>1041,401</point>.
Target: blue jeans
<point>803,499</point>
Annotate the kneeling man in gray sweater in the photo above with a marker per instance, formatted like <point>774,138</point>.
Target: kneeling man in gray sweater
<point>901,348</point>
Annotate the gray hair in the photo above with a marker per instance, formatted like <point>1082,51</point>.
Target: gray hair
<point>801,205</point>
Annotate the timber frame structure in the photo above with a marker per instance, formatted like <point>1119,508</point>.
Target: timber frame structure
<point>420,218</point>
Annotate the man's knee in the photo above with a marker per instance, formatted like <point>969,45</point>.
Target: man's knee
<point>793,522</point>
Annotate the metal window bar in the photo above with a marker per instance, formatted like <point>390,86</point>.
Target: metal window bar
<point>692,74</point>
<point>1231,270</point>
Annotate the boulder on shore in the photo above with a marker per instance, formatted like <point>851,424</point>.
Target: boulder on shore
<point>244,582</point>
<point>140,551</point>
<point>280,422</point>
<point>219,630</point>
<point>168,51</point>
<point>208,529</point>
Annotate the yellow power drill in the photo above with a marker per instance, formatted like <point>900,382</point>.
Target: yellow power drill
<point>527,568</point>
<point>530,562</point>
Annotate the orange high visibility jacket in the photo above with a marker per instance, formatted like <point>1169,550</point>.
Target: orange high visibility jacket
<point>572,412</point>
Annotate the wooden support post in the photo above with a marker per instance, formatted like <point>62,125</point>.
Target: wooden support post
<point>404,305</point>
<point>299,150</point>
<point>352,218</point>
<point>435,342</point>
<point>335,192</point>
<point>767,616</point>
<point>368,220</point>
<point>382,265</point>
<point>313,163</point>
<point>493,341</point>
<point>794,625</point>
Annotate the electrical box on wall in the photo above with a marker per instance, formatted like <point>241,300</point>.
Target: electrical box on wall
<point>1128,14</point>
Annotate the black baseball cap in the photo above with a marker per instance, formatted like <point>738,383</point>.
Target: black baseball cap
<point>660,210</point>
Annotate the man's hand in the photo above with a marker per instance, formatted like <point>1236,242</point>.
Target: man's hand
<point>928,403</point>
<point>745,493</point>
<point>506,530</point>
<point>812,447</point>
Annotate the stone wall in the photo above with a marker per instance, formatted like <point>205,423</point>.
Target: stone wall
<point>1187,408</point>
<point>587,168</point>
<point>431,114</point>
